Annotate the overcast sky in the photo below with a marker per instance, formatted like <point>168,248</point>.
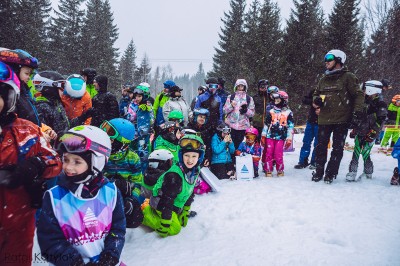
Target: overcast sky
<point>182,33</point>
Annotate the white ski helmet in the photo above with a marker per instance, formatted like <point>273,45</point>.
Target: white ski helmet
<point>94,139</point>
<point>161,159</point>
<point>373,87</point>
<point>145,84</point>
<point>75,86</point>
<point>339,55</point>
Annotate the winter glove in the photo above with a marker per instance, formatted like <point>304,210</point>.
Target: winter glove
<point>318,101</point>
<point>145,107</point>
<point>27,172</point>
<point>356,120</point>
<point>184,216</point>
<point>353,134</point>
<point>163,229</point>
<point>288,143</point>
<point>371,136</point>
<point>106,259</point>
<point>124,186</point>
<point>133,213</point>
<point>243,109</point>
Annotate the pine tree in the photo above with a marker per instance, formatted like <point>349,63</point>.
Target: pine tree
<point>228,59</point>
<point>127,64</point>
<point>304,51</point>
<point>199,77</point>
<point>65,47</point>
<point>9,37</point>
<point>345,32</point>
<point>142,73</point>
<point>35,27</point>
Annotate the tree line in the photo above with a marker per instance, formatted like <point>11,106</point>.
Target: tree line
<point>254,46</point>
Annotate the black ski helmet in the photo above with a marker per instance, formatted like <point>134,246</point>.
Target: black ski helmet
<point>90,73</point>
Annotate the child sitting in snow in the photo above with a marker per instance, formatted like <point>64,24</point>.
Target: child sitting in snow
<point>251,146</point>
<point>82,221</point>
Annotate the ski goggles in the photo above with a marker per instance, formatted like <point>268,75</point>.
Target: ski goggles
<point>226,130</point>
<point>74,143</point>
<point>213,86</point>
<point>329,58</point>
<point>6,74</point>
<point>190,143</point>
<point>113,133</point>
<point>41,82</point>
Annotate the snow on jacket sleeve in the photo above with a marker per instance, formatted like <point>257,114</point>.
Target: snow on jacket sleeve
<point>53,245</point>
<point>228,106</point>
<point>115,240</point>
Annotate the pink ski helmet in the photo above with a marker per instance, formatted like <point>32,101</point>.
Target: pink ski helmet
<point>252,130</point>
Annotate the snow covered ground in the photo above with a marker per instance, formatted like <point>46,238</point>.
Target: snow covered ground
<point>284,221</point>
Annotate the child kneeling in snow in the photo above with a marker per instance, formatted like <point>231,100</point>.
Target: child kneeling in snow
<point>82,221</point>
<point>251,146</point>
<point>169,206</point>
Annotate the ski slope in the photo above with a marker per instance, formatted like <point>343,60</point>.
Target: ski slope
<point>284,221</point>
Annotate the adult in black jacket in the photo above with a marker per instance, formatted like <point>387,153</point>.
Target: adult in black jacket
<point>310,134</point>
<point>105,104</point>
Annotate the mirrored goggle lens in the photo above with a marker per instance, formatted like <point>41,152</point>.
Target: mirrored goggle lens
<point>194,144</point>
<point>213,86</point>
<point>329,57</point>
<point>275,95</point>
<point>226,130</point>
<point>109,129</point>
<point>72,143</point>
<point>5,72</point>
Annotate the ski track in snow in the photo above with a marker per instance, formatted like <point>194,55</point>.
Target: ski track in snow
<point>284,221</point>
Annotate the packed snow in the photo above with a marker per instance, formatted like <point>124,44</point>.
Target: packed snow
<point>284,221</point>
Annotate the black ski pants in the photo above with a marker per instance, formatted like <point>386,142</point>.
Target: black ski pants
<point>339,132</point>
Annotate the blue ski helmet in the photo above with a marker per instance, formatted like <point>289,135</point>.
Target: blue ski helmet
<point>200,111</point>
<point>120,129</point>
<point>169,84</point>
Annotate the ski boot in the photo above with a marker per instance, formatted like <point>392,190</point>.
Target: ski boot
<point>395,178</point>
<point>328,179</point>
<point>312,167</point>
<point>315,177</point>
<point>364,175</point>
<point>351,177</point>
<point>268,174</point>
<point>301,165</point>
<point>280,174</point>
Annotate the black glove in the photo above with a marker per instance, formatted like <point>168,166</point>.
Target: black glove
<point>371,136</point>
<point>243,109</point>
<point>124,186</point>
<point>318,101</point>
<point>27,172</point>
<point>106,259</point>
<point>133,212</point>
<point>357,119</point>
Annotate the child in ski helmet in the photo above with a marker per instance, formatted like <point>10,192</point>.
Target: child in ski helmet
<point>160,100</point>
<point>277,133</point>
<point>169,206</point>
<point>124,167</point>
<point>239,108</point>
<point>49,85</point>
<point>159,162</point>
<point>82,219</point>
<point>365,135</point>
<point>251,146</point>
<point>25,162</point>
<point>76,100</point>
<point>222,150</point>
<point>169,137</point>
<point>176,116</point>
<point>200,124</point>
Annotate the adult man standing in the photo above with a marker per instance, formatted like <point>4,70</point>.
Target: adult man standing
<point>160,100</point>
<point>340,100</point>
